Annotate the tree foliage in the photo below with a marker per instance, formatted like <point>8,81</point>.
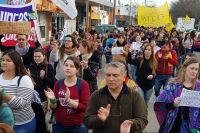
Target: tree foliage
<point>181,8</point>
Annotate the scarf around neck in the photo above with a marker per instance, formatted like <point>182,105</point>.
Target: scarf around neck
<point>24,50</point>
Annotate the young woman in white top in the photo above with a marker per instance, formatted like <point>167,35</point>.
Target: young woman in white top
<point>60,54</point>
<point>17,96</point>
<point>188,43</point>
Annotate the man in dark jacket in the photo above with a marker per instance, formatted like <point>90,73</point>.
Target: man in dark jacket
<point>116,108</point>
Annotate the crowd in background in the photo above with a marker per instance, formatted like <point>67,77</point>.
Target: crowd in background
<point>62,76</point>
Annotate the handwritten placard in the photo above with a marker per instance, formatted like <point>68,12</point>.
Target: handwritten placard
<point>15,27</point>
<point>117,50</point>
<point>190,98</point>
<point>136,46</point>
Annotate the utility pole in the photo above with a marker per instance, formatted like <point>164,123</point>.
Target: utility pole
<point>130,14</point>
<point>114,9</point>
<point>87,15</point>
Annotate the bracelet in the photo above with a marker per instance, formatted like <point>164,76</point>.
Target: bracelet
<point>3,92</point>
<point>53,101</point>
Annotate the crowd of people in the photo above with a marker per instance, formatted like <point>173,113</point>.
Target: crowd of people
<point>62,77</point>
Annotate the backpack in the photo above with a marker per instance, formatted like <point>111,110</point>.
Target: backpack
<point>39,113</point>
<point>78,84</point>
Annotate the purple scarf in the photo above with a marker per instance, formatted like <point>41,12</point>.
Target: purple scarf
<point>24,50</point>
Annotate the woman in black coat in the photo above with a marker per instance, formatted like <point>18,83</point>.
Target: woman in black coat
<point>90,63</point>
<point>42,73</point>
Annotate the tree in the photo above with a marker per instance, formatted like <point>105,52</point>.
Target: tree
<point>181,8</point>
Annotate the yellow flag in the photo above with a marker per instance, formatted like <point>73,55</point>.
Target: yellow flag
<point>170,26</point>
<point>187,18</point>
<point>153,16</point>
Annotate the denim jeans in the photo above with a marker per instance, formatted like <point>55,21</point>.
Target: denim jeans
<point>59,128</point>
<point>160,80</point>
<point>188,51</point>
<point>108,56</point>
<point>146,94</point>
<point>133,71</point>
<point>26,128</point>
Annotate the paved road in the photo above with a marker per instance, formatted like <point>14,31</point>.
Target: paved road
<point>152,126</point>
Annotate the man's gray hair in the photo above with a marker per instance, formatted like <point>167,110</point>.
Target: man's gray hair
<point>117,65</point>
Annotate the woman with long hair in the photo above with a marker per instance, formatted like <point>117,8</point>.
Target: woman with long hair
<point>188,43</point>
<point>172,117</point>
<point>69,99</point>
<point>146,71</point>
<point>17,95</point>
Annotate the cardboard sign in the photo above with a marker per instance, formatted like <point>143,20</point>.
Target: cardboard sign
<point>15,27</point>
<point>190,98</point>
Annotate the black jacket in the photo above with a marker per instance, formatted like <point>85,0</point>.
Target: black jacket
<point>142,73</point>
<point>90,74</point>
<point>42,84</point>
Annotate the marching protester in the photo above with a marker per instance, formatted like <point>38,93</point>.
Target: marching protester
<point>108,46</point>
<point>59,54</point>
<point>17,95</point>
<point>121,42</point>
<point>146,71</point>
<point>166,59</point>
<point>115,107</point>
<point>188,43</point>
<point>43,75</point>
<point>69,99</point>
<point>171,116</point>
<point>89,63</point>
<point>23,48</point>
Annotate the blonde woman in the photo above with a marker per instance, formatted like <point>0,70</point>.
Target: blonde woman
<point>171,116</point>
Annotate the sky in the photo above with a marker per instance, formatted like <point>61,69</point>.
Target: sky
<point>142,2</point>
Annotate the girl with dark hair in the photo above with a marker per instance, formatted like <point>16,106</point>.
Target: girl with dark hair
<point>17,96</point>
<point>68,48</point>
<point>69,100</point>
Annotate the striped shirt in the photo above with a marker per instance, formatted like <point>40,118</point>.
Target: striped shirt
<point>23,95</point>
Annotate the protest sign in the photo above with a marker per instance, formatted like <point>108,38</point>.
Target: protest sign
<point>136,46</point>
<point>190,98</point>
<point>15,27</point>
<point>153,16</point>
<point>18,13</point>
<point>117,50</point>
<point>183,25</point>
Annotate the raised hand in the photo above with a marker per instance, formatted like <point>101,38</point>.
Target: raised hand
<point>103,113</point>
<point>49,94</point>
<point>125,127</point>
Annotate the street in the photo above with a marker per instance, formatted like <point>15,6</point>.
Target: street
<point>152,126</point>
